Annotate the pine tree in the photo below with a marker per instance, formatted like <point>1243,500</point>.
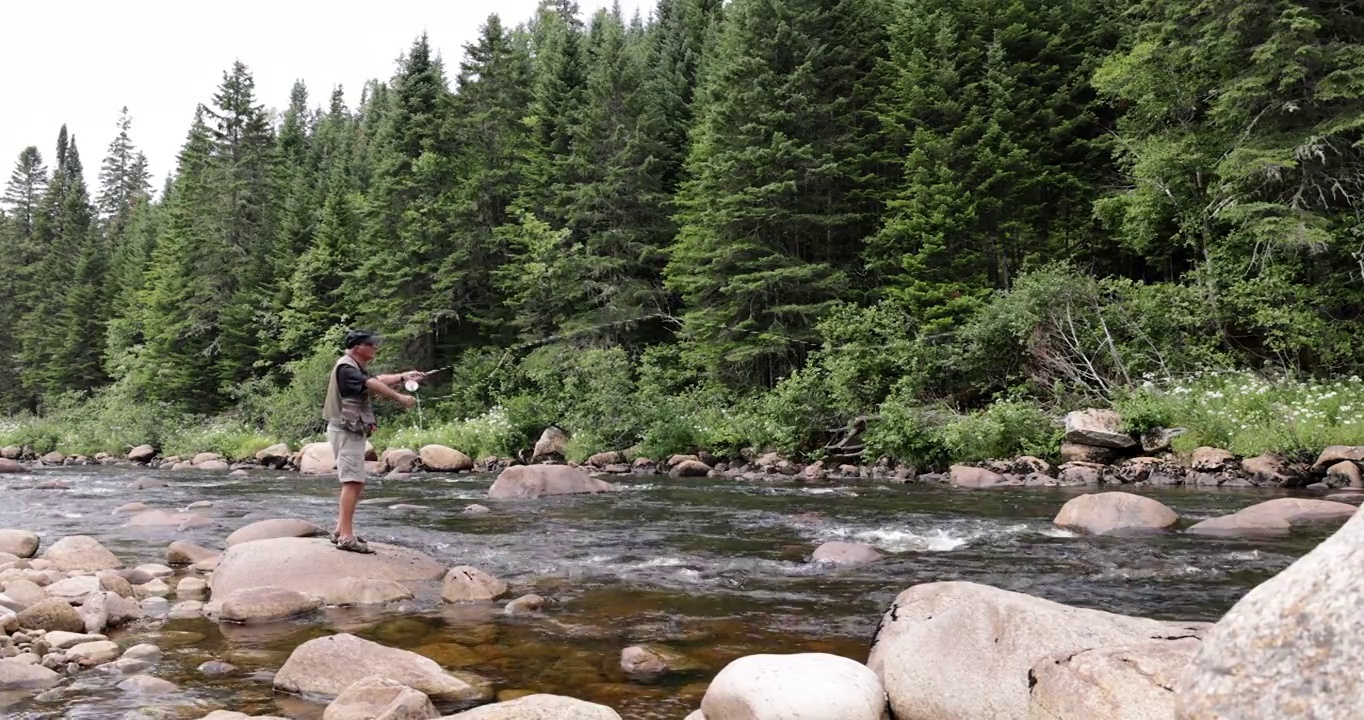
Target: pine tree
<point>25,190</point>
<point>408,226</point>
<point>559,77</point>
<point>683,30</point>
<point>123,179</point>
<point>782,193</point>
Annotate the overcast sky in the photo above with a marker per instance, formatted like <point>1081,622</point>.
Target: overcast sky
<point>80,61</point>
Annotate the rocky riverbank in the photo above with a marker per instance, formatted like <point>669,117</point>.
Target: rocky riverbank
<point>73,613</point>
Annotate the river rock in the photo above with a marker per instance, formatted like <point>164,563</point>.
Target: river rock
<point>469,584</point>
<point>21,543</point>
<point>962,650</point>
<point>24,592</point>
<point>1336,454</point>
<point>142,454</point>
<point>156,587</point>
<point>690,468</point>
<point>845,553</point>
<point>965,476</point>
<point>204,457</point>
<point>52,458</point>
<point>155,607</point>
<point>161,518</point>
<point>19,675</point>
<point>214,668</point>
<point>316,459</point>
<point>1097,428</point>
<point>183,553</point>
<point>109,610</point>
<point>218,465</point>
<point>606,459</point>
<point>276,456</point>
<point>476,509</point>
<point>1269,469</point>
<point>1115,513</point>
<point>439,458</point>
<point>277,528</point>
<point>1128,682</point>
<point>1274,517</point>
<point>51,614</point>
<point>1290,647</point>
<point>191,588</point>
<point>366,591</point>
<point>11,452</point>
<point>81,553</point>
<point>652,661</point>
<point>114,582</point>
<point>809,686</point>
<point>1211,459</point>
<point>146,652</point>
<point>551,447</point>
<point>11,467</point>
<point>329,665</point>
<point>75,589</point>
<point>266,604</point>
<point>146,483</point>
<point>147,685</point>
<point>539,707</point>
<point>313,565</point>
<point>535,481</point>
<point>62,640</point>
<point>378,698</point>
<point>1075,452</point>
<point>131,508</point>
<point>1344,474</point>
<point>90,654</point>
<point>400,460</point>
<point>524,605</point>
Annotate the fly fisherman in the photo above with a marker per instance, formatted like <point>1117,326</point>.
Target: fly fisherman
<point>350,420</point>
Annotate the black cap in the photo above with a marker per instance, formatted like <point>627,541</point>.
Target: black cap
<point>361,337</point>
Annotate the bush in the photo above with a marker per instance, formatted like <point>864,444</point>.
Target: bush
<point>1250,415</point>
<point>230,438</point>
<point>489,434</point>
<point>1005,429</point>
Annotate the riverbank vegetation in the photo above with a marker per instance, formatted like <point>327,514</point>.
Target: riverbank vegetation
<point>914,228</point>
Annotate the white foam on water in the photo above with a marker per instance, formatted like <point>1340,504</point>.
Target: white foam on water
<point>1056,532</point>
<point>934,539</point>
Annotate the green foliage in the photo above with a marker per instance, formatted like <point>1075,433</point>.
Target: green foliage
<point>488,434</point>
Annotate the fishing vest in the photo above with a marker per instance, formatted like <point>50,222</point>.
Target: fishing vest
<point>352,414</point>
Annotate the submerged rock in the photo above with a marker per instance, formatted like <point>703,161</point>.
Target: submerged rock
<point>266,604</point>
<point>469,584</point>
<point>845,553</point>
<point>378,698</point>
<point>539,707</point>
<point>1274,517</point>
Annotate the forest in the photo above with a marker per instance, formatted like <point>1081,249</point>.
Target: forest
<point>913,229</point>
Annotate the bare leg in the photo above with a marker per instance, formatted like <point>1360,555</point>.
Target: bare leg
<point>350,497</point>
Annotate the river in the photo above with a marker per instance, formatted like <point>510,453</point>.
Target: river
<point>711,567</point>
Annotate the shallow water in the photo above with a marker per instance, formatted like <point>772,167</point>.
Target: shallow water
<point>711,567</point>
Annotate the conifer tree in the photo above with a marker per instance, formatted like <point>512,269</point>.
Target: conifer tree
<point>782,193</point>
<point>123,179</point>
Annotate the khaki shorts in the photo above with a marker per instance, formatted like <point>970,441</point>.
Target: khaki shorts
<point>349,449</point>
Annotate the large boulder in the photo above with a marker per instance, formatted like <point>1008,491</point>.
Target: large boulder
<point>469,584</point>
<point>266,604</point>
<point>439,458</point>
<point>1270,469</point>
<point>1291,648</point>
<point>23,543</point>
<point>1115,513</point>
<point>81,553</point>
<point>327,666</point>
<point>108,610</point>
<point>1098,428</point>
<point>52,458</point>
<point>844,553</point>
<point>161,518</point>
<point>276,528</point>
<point>313,565</point>
<point>960,650</point>
<point>90,654</point>
<point>1127,682</point>
<point>535,481</point>
<point>539,707</point>
<point>1344,474</point>
<point>275,456</point>
<point>606,459</point>
<point>809,686</point>
<point>1274,517</point>
<point>351,591</point>
<point>690,468</point>
<point>11,467</point>
<point>316,459</point>
<point>1077,453</point>
<point>51,614</point>
<point>965,476</point>
<point>1211,459</point>
<point>142,454</point>
<point>551,447</point>
<point>400,460</point>
<point>378,698</point>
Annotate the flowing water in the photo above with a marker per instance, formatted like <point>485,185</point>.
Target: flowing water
<point>711,567</point>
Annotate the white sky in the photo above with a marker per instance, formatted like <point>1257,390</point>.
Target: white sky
<point>80,61</point>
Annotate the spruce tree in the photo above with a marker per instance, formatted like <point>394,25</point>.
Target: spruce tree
<point>123,179</point>
<point>782,193</point>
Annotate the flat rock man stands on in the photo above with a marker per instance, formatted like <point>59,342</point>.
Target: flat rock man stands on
<point>350,420</point>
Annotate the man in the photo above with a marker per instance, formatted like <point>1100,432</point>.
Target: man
<point>350,420</point>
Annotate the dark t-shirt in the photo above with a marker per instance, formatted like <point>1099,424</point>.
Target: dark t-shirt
<point>350,380</point>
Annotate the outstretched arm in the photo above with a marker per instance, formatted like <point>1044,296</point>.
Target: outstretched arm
<point>378,387</point>
<point>395,378</point>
